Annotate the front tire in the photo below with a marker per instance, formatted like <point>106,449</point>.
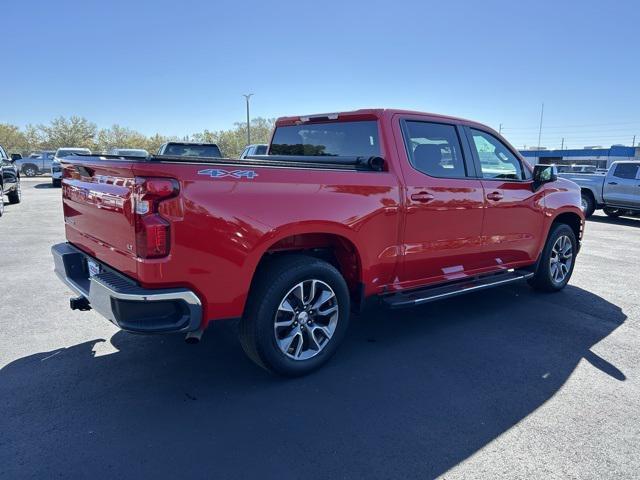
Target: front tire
<point>56,182</point>
<point>15,195</point>
<point>556,260</point>
<point>296,316</point>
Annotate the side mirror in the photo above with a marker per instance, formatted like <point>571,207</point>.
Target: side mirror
<point>15,156</point>
<point>544,174</point>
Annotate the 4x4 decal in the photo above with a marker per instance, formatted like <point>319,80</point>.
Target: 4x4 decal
<point>219,173</point>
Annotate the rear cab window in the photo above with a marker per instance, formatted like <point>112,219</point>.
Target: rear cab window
<point>349,138</point>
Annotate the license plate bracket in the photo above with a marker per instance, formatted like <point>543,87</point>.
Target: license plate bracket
<point>94,268</point>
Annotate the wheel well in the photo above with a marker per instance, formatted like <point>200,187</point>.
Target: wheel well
<point>571,219</point>
<point>588,192</point>
<point>334,249</point>
<point>25,165</point>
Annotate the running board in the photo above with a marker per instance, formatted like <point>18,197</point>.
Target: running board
<point>430,294</point>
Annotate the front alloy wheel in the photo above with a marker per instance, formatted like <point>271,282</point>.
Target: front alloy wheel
<point>306,319</point>
<point>30,171</point>
<point>561,259</point>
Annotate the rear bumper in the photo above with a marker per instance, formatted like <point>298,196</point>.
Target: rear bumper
<point>122,301</point>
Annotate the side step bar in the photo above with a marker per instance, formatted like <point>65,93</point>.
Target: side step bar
<point>430,294</point>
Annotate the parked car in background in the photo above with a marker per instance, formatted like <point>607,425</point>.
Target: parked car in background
<point>56,171</point>
<point>577,168</point>
<point>9,180</point>
<point>36,163</point>
<point>256,149</point>
<point>129,152</point>
<point>617,192</point>
<point>390,207</point>
<point>190,149</point>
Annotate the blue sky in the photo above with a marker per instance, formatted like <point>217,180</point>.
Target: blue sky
<point>177,67</point>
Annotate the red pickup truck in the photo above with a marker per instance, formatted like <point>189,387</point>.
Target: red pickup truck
<point>394,206</point>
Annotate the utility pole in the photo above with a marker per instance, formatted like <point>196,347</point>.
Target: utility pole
<point>633,143</point>
<point>562,147</point>
<point>500,129</point>
<point>247,96</point>
<point>540,131</point>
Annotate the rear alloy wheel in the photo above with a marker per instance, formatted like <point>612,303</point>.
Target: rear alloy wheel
<point>587,203</point>
<point>15,195</point>
<point>556,260</point>
<point>30,170</point>
<point>296,316</point>
<point>306,319</point>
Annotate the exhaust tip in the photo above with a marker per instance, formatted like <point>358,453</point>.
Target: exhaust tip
<point>193,337</point>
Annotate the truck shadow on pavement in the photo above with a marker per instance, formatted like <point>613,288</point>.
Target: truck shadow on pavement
<point>625,221</point>
<point>409,395</point>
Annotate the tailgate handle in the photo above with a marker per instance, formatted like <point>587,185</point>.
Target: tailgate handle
<point>85,171</point>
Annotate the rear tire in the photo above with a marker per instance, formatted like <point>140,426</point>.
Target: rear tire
<point>29,170</point>
<point>556,260</point>
<point>612,212</point>
<point>55,182</point>
<point>296,315</point>
<point>588,203</point>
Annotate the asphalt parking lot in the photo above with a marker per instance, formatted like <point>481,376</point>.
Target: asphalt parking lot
<point>507,383</point>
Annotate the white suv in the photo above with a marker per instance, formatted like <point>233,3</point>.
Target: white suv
<point>56,170</point>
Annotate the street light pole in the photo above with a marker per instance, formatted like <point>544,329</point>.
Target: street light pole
<point>247,96</point>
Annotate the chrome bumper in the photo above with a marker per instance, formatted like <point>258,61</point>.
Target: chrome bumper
<point>122,301</point>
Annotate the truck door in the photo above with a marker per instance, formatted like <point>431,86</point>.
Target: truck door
<point>444,203</point>
<point>622,185</point>
<point>514,216</point>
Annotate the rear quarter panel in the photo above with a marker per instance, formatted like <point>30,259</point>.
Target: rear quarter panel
<point>221,227</point>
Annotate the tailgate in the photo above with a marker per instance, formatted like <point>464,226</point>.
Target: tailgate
<point>97,200</point>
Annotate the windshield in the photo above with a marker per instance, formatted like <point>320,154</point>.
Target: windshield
<point>186,150</point>
<point>67,152</point>
<point>327,139</point>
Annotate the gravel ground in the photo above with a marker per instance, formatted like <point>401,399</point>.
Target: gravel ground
<point>507,383</point>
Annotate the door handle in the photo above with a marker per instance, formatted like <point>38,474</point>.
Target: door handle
<point>422,197</point>
<point>612,183</point>
<point>495,196</point>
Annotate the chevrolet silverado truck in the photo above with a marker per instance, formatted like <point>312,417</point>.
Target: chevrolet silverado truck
<point>376,207</point>
<point>617,192</point>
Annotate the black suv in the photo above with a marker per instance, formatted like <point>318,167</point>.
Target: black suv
<point>9,179</point>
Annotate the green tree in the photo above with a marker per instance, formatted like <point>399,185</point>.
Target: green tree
<point>12,139</point>
<point>119,137</point>
<point>71,132</point>
<point>232,142</point>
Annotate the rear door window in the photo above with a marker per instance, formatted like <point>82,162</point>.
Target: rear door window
<point>327,139</point>
<point>434,149</point>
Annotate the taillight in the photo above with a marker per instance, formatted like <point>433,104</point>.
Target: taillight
<point>153,233</point>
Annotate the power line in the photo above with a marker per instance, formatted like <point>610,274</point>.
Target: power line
<point>574,126</point>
